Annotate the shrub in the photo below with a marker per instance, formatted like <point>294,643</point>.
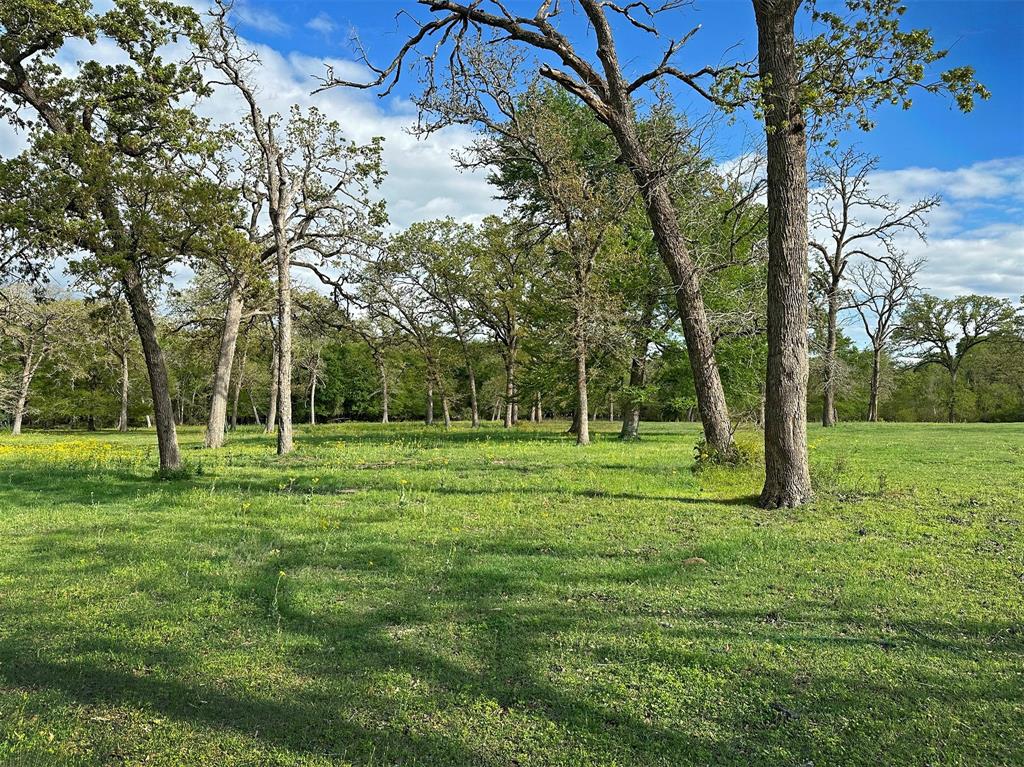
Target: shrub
<point>746,450</point>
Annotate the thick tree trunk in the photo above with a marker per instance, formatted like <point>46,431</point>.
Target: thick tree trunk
<point>272,406</point>
<point>787,475</point>
<point>26,382</point>
<point>446,410</point>
<point>156,367</point>
<point>574,427</point>
<point>876,373</point>
<point>122,421</point>
<point>222,372</point>
<point>429,416</point>
<point>829,363</point>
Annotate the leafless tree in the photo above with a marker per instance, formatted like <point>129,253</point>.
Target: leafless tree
<point>849,222</point>
<point>314,182</point>
<point>881,287</point>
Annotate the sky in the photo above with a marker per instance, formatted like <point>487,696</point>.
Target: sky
<point>974,161</point>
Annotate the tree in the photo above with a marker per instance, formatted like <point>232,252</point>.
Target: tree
<point>849,221</point>
<point>314,181</point>
<point>109,168</point>
<point>551,160</point>
<point>391,290</point>
<point>880,290</point>
<point>112,320</point>
<point>33,325</point>
<point>858,61</point>
<point>503,269</point>
<point>943,331</point>
<point>611,96</point>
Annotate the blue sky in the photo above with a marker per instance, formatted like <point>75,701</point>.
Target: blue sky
<point>987,34</point>
<point>975,162</point>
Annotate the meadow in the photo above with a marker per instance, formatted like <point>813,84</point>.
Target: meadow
<point>399,595</point>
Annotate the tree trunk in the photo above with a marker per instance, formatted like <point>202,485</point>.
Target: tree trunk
<point>447,410</point>
<point>583,430</point>
<point>156,367</point>
<point>222,373</point>
<point>661,213</point>
<point>122,421</point>
<point>540,409</point>
<point>787,475</point>
<point>385,397</point>
<point>473,406</point>
<point>255,412</point>
<point>285,440</point>
<point>272,406</point>
<point>637,380</point>
<point>312,401</point>
<point>876,372</point>
<point>828,408</point>
<point>26,381</point>
<point>510,369</point>
<point>429,417</point>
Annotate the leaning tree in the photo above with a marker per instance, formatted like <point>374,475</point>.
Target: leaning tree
<point>109,170</point>
<point>602,84</point>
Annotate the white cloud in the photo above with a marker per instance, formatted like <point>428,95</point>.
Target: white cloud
<point>422,180</point>
<point>260,18</point>
<point>322,23</point>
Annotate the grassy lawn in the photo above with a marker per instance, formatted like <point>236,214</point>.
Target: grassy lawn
<point>403,596</point>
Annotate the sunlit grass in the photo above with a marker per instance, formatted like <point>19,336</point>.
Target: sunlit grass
<point>401,595</point>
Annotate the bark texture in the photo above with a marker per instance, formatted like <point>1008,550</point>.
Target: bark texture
<point>787,476</point>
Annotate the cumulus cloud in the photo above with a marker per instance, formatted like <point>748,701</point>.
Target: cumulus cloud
<point>422,181</point>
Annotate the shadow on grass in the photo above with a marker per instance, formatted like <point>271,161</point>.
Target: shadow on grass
<point>486,630</point>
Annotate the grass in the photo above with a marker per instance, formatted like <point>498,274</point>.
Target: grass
<point>402,596</point>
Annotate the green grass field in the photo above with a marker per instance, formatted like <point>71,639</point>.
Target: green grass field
<point>402,596</point>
